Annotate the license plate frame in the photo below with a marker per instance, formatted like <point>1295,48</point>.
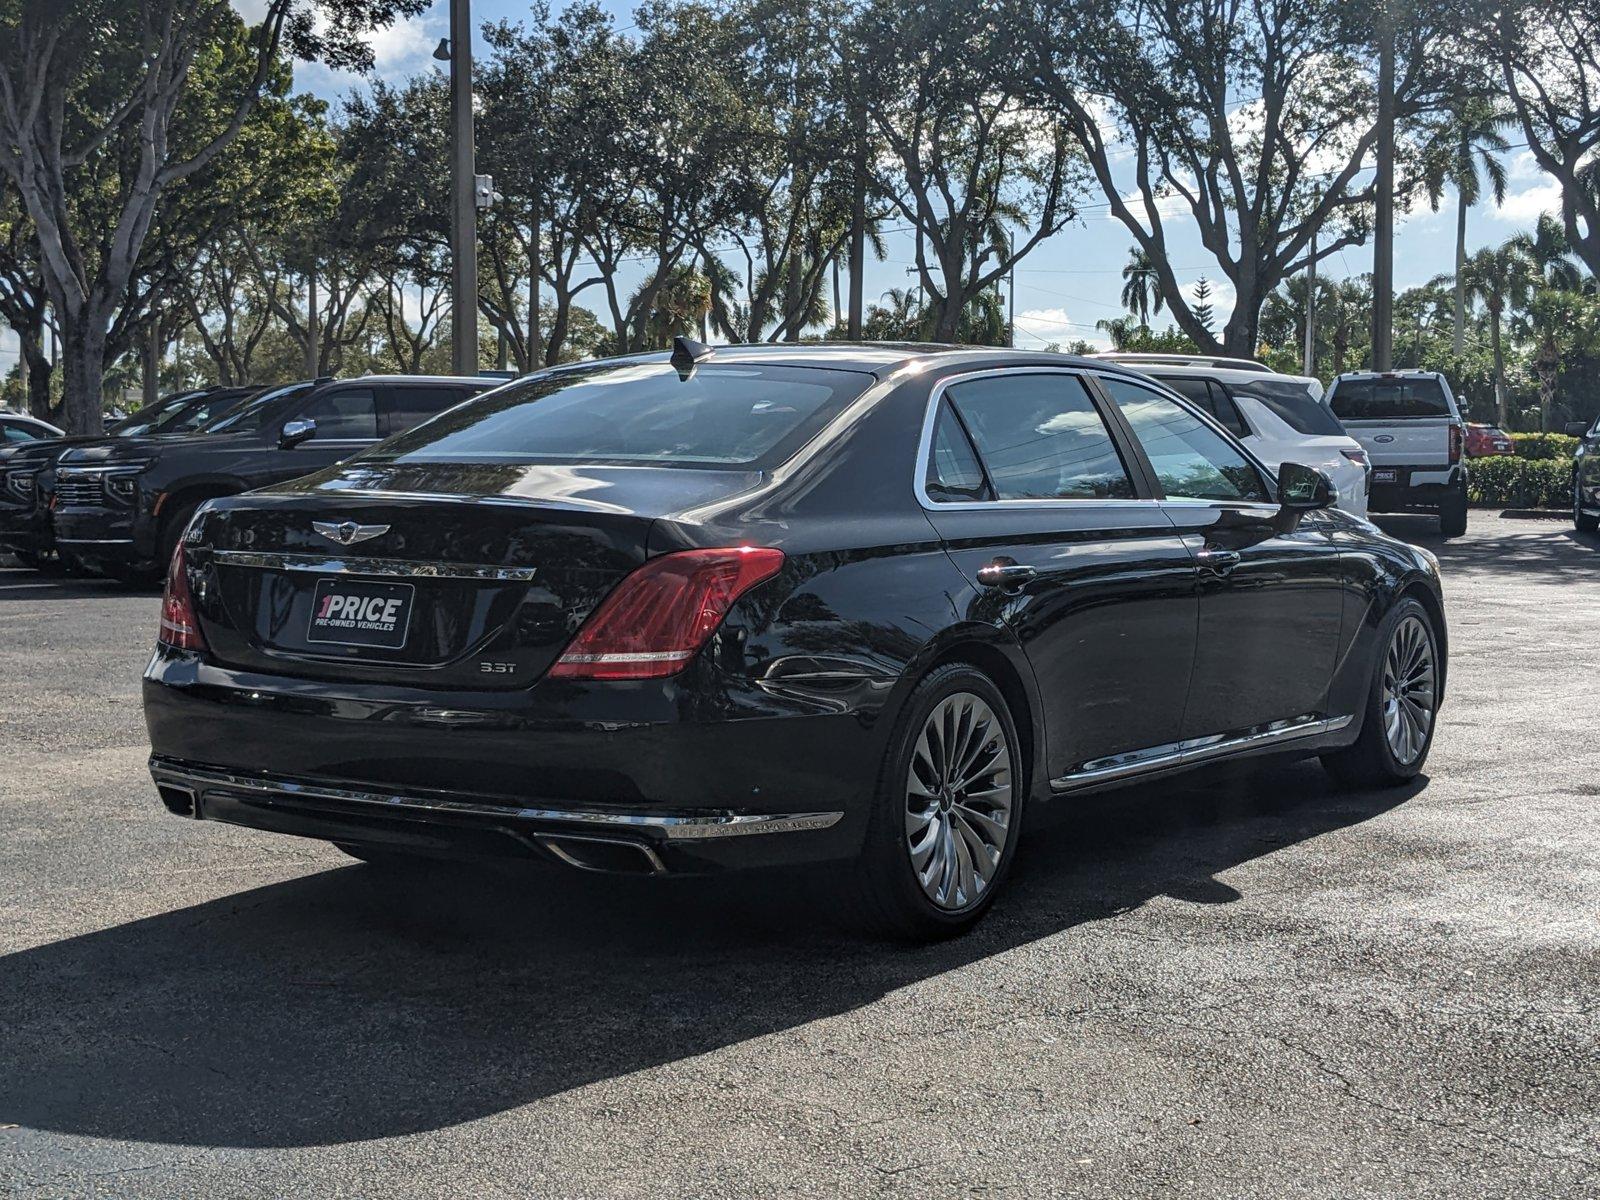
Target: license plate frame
<point>1385,475</point>
<point>373,623</point>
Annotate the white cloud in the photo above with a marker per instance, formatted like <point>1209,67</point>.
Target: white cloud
<point>398,50</point>
<point>1524,206</point>
<point>1037,326</point>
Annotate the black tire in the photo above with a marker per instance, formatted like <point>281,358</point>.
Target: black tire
<point>1453,514</point>
<point>1370,762</point>
<point>1581,520</point>
<point>888,897</point>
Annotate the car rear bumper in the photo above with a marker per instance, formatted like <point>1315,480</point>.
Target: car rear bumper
<point>505,775</point>
<point>1414,487</point>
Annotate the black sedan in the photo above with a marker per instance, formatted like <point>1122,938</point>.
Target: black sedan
<point>779,604</point>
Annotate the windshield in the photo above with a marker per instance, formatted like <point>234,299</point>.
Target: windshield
<point>250,416</point>
<point>1381,399</point>
<point>1294,405</point>
<point>737,415</point>
<point>149,418</point>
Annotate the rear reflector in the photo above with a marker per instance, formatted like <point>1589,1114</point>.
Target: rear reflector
<point>660,616</point>
<point>180,629</point>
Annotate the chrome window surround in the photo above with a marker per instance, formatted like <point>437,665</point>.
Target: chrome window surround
<point>930,418</point>
<point>326,564</point>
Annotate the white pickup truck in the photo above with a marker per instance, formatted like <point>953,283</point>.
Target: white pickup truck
<point>1411,429</point>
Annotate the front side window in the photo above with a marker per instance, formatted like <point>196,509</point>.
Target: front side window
<point>1191,460</point>
<point>345,415</point>
<point>724,415</point>
<point>1041,438</point>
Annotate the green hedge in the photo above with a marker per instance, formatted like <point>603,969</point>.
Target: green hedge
<point>1521,482</point>
<point>1544,445</point>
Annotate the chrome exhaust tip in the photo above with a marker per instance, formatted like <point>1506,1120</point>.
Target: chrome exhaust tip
<point>614,856</point>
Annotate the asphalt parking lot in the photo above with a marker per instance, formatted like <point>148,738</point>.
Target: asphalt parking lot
<point>1242,985</point>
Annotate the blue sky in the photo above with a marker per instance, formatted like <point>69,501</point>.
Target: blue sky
<point>1073,279</point>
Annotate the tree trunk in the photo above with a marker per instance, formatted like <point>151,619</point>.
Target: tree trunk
<point>312,357</point>
<point>150,376</point>
<point>858,229</point>
<point>1458,335</point>
<point>1547,365</point>
<point>83,374</point>
<point>1502,417</point>
<point>39,371</point>
<point>949,322</point>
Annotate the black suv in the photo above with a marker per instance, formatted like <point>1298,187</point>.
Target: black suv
<point>122,505</point>
<point>27,470</point>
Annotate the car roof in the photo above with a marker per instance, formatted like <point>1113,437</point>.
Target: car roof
<point>412,379</point>
<point>876,358</point>
<point>1219,361</point>
<point>1417,371</point>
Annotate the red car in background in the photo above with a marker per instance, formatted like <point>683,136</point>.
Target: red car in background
<point>1484,440</point>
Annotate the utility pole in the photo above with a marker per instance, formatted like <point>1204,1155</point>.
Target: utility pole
<point>1310,356</point>
<point>1011,290</point>
<point>1383,227</point>
<point>858,228</point>
<point>463,189</point>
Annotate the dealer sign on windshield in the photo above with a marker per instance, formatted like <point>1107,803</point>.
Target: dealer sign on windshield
<point>351,613</point>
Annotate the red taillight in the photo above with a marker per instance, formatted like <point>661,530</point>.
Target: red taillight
<point>660,616</point>
<point>1358,457</point>
<point>180,629</point>
<point>1455,443</point>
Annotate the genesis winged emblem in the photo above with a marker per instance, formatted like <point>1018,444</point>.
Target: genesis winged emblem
<point>347,533</point>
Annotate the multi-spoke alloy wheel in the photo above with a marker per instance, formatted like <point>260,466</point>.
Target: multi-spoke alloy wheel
<point>959,801</point>
<point>1409,693</point>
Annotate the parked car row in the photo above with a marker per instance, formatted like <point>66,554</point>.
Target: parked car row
<point>847,606</point>
<point>117,504</point>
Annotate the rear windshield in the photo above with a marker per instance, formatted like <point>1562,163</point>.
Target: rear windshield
<point>1294,405</point>
<point>1384,399</point>
<point>734,415</point>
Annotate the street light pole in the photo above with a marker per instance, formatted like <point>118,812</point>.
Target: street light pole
<point>1383,226</point>
<point>463,204</point>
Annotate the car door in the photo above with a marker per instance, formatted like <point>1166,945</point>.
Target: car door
<point>404,405</point>
<point>1270,598</point>
<point>346,419</point>
<point>1038,505</point>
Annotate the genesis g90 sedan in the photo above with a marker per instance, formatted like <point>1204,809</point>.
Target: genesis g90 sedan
<point>850,604</point>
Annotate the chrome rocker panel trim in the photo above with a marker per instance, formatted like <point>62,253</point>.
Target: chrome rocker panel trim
<point>333,564</point>
<point>674,827</point>
<point>1195,750</point>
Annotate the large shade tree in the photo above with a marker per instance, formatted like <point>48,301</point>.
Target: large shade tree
<point>98,96</point>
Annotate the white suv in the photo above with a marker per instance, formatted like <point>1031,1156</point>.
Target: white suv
<point>1412,430</point>
<point>1281,418</point>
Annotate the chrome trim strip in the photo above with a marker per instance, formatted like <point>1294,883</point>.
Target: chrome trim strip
<point>690,826</point>
<point>1195,750</point>
<point>324,564</point>
<point>94,541</point>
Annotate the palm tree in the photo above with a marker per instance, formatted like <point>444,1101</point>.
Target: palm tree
<point>1501,277</point>
<point>1119,329</point>
<point>1141,295</point>
<point>681,304</point>
<point>1551,317</point>
<point>1550,253</point>
<point>1470,141</point>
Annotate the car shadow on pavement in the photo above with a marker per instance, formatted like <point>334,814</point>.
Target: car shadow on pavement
<point>1547,548</point>
<point>37,586</point>
<point>355,1004</point>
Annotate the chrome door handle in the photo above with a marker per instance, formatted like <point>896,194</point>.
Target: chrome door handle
<point>1219,562</point>
<point>1005,573</point>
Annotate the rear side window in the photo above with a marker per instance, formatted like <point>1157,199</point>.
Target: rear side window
<point>349,414</point>
<point>1292,404</point>
<point>1212,398</point>
<point>407,406</point>
<point>1191,460</point>
<point>730,415</point>
<point>1041,438</point>
<point>18,432</point>
<point>1385,399</point>
<point>954,472</point>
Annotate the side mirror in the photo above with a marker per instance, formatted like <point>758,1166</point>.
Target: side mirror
<point>296,431</point>
<point>1577,429</point>
<point>1301,489</point>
